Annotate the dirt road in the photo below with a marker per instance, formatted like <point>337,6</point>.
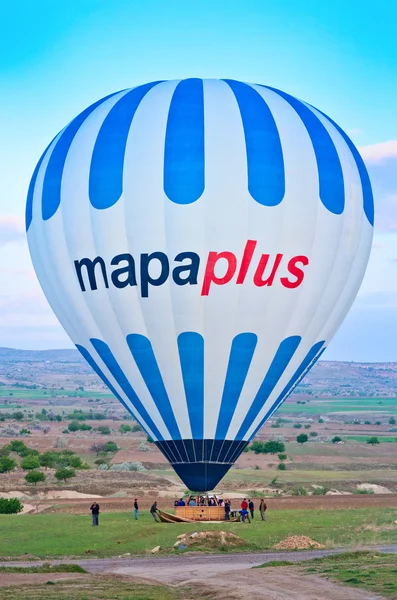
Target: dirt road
<point>229,577</point>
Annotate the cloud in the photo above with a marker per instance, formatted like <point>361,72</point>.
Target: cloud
<point>11,229</point>
<point>378,153</point>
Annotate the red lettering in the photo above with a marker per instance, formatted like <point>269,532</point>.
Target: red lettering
<point>209,275</point>
<point>261,269</point>
<point>295,271</point>
<point>246,260</point>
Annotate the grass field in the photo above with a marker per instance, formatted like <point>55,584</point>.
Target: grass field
<point>54,535</point>
<point>372,571</point>
<point>48,393</point>
<point>364,438</point>
<point>342,405</point>
<point>245,477</point>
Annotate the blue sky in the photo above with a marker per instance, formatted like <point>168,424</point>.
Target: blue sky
<point>56,58</point>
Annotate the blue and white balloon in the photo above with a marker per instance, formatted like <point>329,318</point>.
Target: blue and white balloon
<point>200,241</point>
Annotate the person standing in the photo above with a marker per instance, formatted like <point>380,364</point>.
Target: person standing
<point>262,509</point>
<point>227,510</point>
<point>95,514</point>
<point>136,509</point>
<point>244,511</point>
<point>153,512</point>
<point>251,506</point>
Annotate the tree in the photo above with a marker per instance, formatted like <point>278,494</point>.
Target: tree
<point>282,457</point>
<point>302,438</point>
<point>48,460</point>
<point>29,452</point>
<point>34,477</point>
<point>392,421</point>
<point>74,426</point>
<point>97,448</point>
<point>17,446</point>
<point>10,506</point>
<point>373,440</point>
<point>313,434</point>
<point>281,467</point>
<point>18,415</point>
<point>85,427</point>
<point>125,428</point>
<point>103,429</point>
<point>7,464</point>
<point>4,450</point>
<point>64,474</point>
<point>336,439</point>
<point>321,420</point>
<point>297,425</point>
<point>75,462</point>
<point>30,462</point>
<point>111,447</point>
<point>150,440</point>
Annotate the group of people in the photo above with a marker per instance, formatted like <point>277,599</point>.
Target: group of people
<point>247,508</point>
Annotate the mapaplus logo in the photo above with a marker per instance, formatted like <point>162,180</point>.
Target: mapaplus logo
<point>185,270</point>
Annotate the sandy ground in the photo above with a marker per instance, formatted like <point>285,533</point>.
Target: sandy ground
<point>220,577</point>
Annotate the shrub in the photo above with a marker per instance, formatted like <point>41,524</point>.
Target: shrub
<point>150,440</point>
<point>302,438</point>
<point>297,425</point>
<point>30,462</point>
<point>10,506</point>
<point>85,427</point>
<point>299,491</point>
<point>64,474</point>
<point>270,447</point>
<point>373,440</point>
<point>364,491</point>
<point>7,464</point>
<point>74,426</point>
<point>321,420</point>
<point>34,477</point>
<point>17,446</point>
<point>25,432</point>
<point>4,450</point>
<point>313,434</point>
<point>143,447</point>
<point>136,428</point>
<point>18,415</point>
<point>48,459</point>
<point>281,467</point>
<point>307,426</point>
<point>74,461</point>
<point>100,461</point>
<point>392,421</point>
<point>127,466</point>
<point>29,452</point>
<point>103,430</point>
<point>336,439</point>
<point>320,491</point>
<point>282,457</point>
<point>125,428</point>
<point>110,447</point>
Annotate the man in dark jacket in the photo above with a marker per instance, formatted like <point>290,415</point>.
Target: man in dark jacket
<point>95,514</point>
<point>136,508</point>
<point>251,506</point>
<point>227,510</point>
<point>262,509</point>
<point>153,512</point>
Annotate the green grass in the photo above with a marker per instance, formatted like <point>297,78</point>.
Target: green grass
<point>364,438</point>
<point>345,405</point>
<point>252,478</point>
<point>90,587</point>
<point>59,535</point>
<point>372,571</point>
<point>46,568</point>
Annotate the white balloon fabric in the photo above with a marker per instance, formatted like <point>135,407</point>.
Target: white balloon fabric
<point>200,241</point>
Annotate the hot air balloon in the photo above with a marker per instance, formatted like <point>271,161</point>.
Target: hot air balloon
<point>200,241</point>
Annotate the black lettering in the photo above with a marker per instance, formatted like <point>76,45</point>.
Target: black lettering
<point>128,270</point>
<point>191,269</point>
<point>146,278</point>
<point>90,268</point>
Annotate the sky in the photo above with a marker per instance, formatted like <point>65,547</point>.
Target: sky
<point>56,58</point>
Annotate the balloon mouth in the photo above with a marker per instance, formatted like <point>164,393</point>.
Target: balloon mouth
<point>201,464</point>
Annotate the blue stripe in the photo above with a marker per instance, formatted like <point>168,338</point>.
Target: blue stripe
<point>85,354</point>
<point>142,351</point>
<point>107,163</point>
<point>241,354</point>
<point>368,198</point>
<point>184,143</point>
<point>284,353</point>
<point>265,162</point>
<point>330,174</point>
<point>191,354</point>
<point>29,200</point>
<point>51,196</point>
<point>310,359</point>
<point>106,355</point>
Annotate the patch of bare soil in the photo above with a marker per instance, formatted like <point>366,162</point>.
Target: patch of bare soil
<point>210,540</point>
<point>7,579</point>
<point>273,584</point>
<point>297,542</point>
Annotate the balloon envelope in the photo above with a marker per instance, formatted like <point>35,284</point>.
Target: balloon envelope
<point>200,241</point>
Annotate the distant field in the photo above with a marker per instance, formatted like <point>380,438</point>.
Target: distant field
<point>39,393</point>
<point>364,438</point>
<point>341,405</point>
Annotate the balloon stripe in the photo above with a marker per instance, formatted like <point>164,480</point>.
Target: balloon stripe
<point>51,195</point>
<point>107,162</point>
<point>184,177</point>
<point>330,174</point>
<point>191,354</point>
<point>241,353</point>
<point>284,353</point>
<point>311,357</point>
<point>85,354</point>
<point>142,351</point>
<point>368,198</point>
<point>266,177</point>
<point>29,200</point>
<point>106,355</point>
